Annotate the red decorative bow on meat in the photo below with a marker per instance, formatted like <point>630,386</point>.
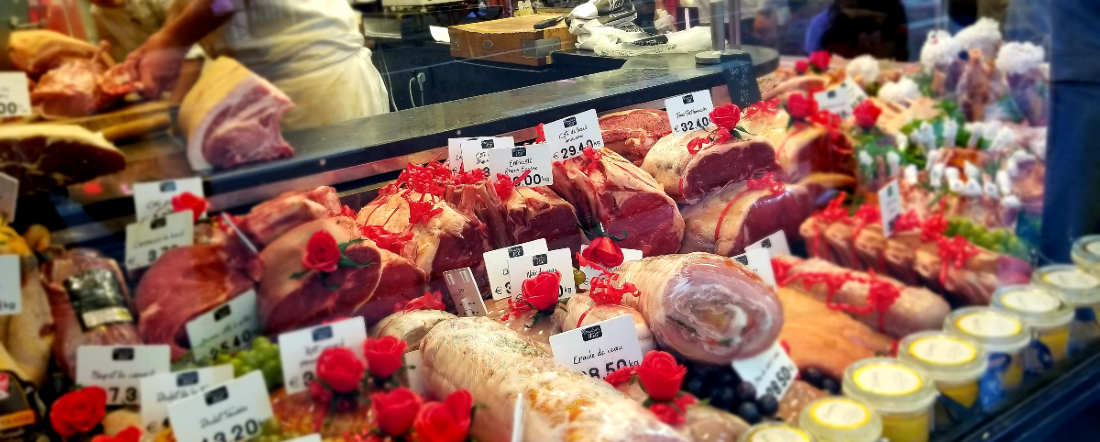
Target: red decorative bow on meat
<point>832,213</point>
<point>953,252</point>
<point>429,301</point>
<point>385,239</point>
<point>766,182</point>
<point>594,156</point>
<point>770,107</point>
<point>504,185</point>
<point>832,122</point>
<point>420,212</point>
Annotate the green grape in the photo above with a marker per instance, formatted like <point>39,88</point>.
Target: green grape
<point>238,366</point>
<point>271,426</point>
<point>579,277</point>
<point>988,240</point>
<point>250,358</point>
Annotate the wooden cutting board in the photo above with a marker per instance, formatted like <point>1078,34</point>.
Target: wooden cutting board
<point>511,40</point>
<point>123,115</point>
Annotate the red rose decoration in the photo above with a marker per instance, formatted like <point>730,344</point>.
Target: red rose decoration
<point>620,376</point>
<point>319,393</point>
<point>801,66</point>
<point>820,60</point>
<point>130,434</point>
<point>542,291</point>
<point>322,252</point>
<point>726,116</point>
<point>78,411</point>
<point>661,376</point>
<point>667,413</point>
<point>866,114</point>
<point>384,356</point>
<point>189,201</point>
<point>341,369</point>
<point>800,106</point>
<point>603,251</point>
<point>448,421</point>
<point>396,411</point>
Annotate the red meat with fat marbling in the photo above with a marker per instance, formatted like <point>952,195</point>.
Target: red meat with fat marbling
<point>688,178</point>
<point>633,133</point>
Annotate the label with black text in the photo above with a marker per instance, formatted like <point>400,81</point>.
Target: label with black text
<point>570,136</point>
<point>15,94</point>
<point>226,328</point>
<point>154,199</point>
<point>231,412</point>
<point>600,348</point>
<point>529,266</point>
<point>496,264</point>
<point>148,239</point>
<point>759,261</point>
<point>475,152</point>
<point>160,390</point>
<point>689,112</point>
<point>300,349</point>
<point>119,369</point>
<point>771,372</point>
<point>11,289</point>
<point>776,244</point>
<point>517,160</point>
<point>454,152</point>
<point>889,206</point>
<point>464,292</point>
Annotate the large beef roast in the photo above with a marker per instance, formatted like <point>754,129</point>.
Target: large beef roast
<point>45,156</point>
<point>515,215</point>
<point>632,133</point>
<point>272,218</point>
<point>687,177</point>
<point>802,148</point>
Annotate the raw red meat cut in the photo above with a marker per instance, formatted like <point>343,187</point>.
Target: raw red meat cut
<point>705,307</point>
<point>608,189</point>
<point>37,51</point>
<point>71,90</point>
<point>272,218</point>
<point>45,156</point>
<point>632,133</point>
<point>743,213</point>
<point>90,304</point>
<point>803,148</point>
<point>400,282</point>
<point>231,117</point>
<point>522,214</point>
<point>286,303</point>
<point>200,272</point>
<point>688,178</point>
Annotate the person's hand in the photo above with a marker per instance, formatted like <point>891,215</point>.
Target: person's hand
<point>157,63</point>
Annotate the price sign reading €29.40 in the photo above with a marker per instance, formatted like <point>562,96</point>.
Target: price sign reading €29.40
<point>570,136</point>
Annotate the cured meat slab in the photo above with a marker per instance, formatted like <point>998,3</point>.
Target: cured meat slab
<point>231,117</point>
<point>823,338</point>
<point>633,133</point>
<point>688,178</point>
<point>706,307</point>
<point>272,218</point>
<point>497,366</point>
<point>45,156</point>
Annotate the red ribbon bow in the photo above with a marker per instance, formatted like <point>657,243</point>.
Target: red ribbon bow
<point>603,290</point>
<point>832,213</point>
<point>421,211</point>
<point>429,301</point>
<point>767,181</point>
<point>770,107</point>
<point>954,252</point>
<point>385,239</point>
<point>881,293</point>
<point>594,156</point>
<point>504,185</point>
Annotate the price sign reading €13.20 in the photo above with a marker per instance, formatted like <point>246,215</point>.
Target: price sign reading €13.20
<point>689,112</point>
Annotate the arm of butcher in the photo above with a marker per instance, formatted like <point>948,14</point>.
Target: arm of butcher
<point>159,59</point>
<point>704,423</point>
<point>916,309</point>
<point>497,366</point>
<point>582,311</point>
<point>705,307</point>
<point>823,338</point>
<point>409,326</point>
<point>688,177</point>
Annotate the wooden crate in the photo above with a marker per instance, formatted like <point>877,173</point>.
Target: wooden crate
<point>511,40</point>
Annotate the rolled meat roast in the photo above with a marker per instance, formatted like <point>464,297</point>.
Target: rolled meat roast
<point>688,178</point>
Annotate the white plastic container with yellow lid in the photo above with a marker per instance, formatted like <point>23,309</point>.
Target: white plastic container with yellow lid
<point>840,419</point>
<point>1049,318</point>
<point>954,364</point>
<point>1003,335</point>
<point>1079,289</point>
<point>775,432</point>
<point>898,391</point>
<point>1086,253</point>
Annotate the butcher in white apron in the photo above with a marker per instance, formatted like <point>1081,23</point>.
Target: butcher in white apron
<point>310,49</point>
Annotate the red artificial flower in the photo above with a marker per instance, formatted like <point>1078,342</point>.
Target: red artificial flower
<point>726,116</point>
<point>346,211</point>
<point>820,60</point>
<point>429,301</point>
<point>130,434</point>
<point>319,393</point>
<point>604,251</point>
<point>322,252</point>
<point>385,239</point>
<point>720,136</point>
<point>542,291</point>
<point>801,66</point>
<point>189,201</point>
<point>661,376</point>
<point>621,376</point>
<point>448,421</point>
<point>542,135</point>
<point>866,114</point>
<point>800,107</point>
<point>696,145</point>
<point>667,413</point>
<point>384,355</point>
<point>340,369</point>
<point>396,410</point>
<point>78,411</point>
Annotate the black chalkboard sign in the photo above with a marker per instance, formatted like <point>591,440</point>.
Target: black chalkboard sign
<point>740,79</point>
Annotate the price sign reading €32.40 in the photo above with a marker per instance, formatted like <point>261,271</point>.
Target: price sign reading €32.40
<point>570,136</point>
<point>689,112</point>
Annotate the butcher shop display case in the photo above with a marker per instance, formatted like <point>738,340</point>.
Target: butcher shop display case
<point>244,239</point>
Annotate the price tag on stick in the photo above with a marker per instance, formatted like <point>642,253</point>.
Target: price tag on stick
<point>517,160</point>
<point>689,112</point>
<point>776,244</point>
<point>226,328</point>
<point>463,289</point>
<point>740,79</point>
<point>160,390</point>
<point>599,349</point>
<point>526,267</point>
<point>568,137</point>
<point>119,369</point>
<point>299,350</point>
<point>759,261</point>
<point>771,372</point>
<point>889,205</point>
<point>496,264</point>
<point>233,411</point>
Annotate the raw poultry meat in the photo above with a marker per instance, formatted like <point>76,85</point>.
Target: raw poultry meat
<point>45,156</point>
<point>410,327</point>
<point>704,307</point>
<point>581,311</point>
<point>743,213</point>
<point>37,51</point>
<point>90,304</point>
<point>497,366</point>
<point>688,177</point>
<point>914,309</point>
<point>803,148</point>
<point>823,338</point>
<point>704,423</point>
<point>608,189</point>
<point>231,117</point>
<point>633,133</point>
<point>203,274</point>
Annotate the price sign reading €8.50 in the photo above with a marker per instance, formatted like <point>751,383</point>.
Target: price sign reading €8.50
<point>600,348</point>
<point>689,112</point>
<point>570,136</point>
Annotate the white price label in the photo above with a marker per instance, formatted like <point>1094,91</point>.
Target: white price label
<point>299,350</point>
<point>154,199</point>
<point>475,152</point>
<point>233,411</point>
<point>771,372</point>
<point>889,205</point>
<point>463,289</point>
<point>414,373</point>
<point>600,348</point>
<point>148,239</point>
<point>513,162</point>
<point>591,273</point>
<point>570,136</point>
<point>776,245</point>
<point>759,261</point>
<point>689,112</point>
<point>15,94</point>
<point>856,94</point>
<point>158,391</point>
<point>310,438</point>
<point>11,285</point>
<point>454,152</point>
<point>529,266</point>
<point>835,100</point>
<point>119,369</point>
<point>496,264</point>
<point>226,328</point>
<point>9,194</point>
